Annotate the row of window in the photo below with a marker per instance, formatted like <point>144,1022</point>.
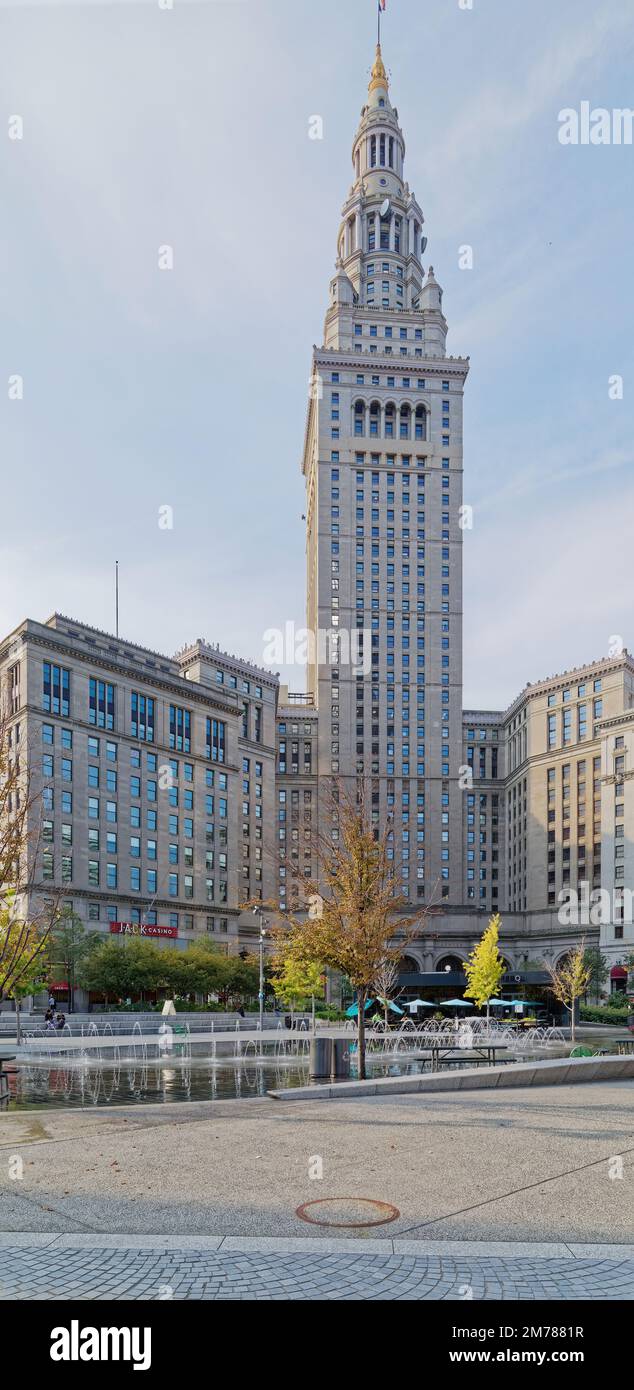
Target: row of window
<point>177,885</point>
<point>184,921</point>
<point>560,728</point>
<point>56,699</point>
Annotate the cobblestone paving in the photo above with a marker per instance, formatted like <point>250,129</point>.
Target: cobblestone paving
<point>157,1273</point>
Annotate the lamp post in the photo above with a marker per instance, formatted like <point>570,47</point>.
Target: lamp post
<point>263,924</point>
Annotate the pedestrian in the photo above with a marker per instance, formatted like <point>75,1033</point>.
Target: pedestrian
<point>60,1022</point>
<point>52,1003</point>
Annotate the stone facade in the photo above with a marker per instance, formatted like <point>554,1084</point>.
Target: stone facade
<point>140,759</point>
<point>383,470</point>
<point>297,789</point>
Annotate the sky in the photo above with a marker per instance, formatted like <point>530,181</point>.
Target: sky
<point>143,388</point>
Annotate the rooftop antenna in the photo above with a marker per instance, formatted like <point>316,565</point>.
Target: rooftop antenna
<point>382,4</point>
<point>116,596</point>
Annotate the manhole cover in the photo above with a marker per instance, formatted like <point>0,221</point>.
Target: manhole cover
<point>347,1211</point>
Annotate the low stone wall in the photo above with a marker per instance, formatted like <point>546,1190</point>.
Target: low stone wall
<point>558,1072</point>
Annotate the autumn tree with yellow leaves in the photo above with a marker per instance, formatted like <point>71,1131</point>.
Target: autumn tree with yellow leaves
<point>26,914</point>
<point>569,981</point>
<point>361,922</point>
<point>484,968</point>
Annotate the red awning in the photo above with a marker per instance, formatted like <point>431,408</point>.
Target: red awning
<point>618,972</point>
<point>59,984</point>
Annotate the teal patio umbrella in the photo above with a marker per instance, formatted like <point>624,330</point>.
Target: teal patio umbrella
<point>394,1007</point>
<point>456,1004</point>
<point>354,1009</point>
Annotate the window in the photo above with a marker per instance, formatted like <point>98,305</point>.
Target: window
<point>180,729</point>
<point>142,717</point>
<point>56,689</point>
<point>101,704</point>
<point>215,749</point>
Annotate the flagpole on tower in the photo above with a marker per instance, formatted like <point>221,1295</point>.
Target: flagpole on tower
<point>381,7</point>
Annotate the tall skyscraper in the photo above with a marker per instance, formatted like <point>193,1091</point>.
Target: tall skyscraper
<point>383,469</point>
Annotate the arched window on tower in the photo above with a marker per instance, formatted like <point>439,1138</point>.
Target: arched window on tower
<point>385,235</point>
<point>371,233</point>
<point>390,418</point>
<point>397,233</point>
<point>373,152</point>
<point>382,151</point>
<point>421,422</point>
<point>391,154</point>
<point>375,418</point>
<point>357,163</point>
<point>404,429</point>
<point>359,417</point>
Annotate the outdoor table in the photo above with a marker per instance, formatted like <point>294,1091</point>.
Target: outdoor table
<point>440,1051</point>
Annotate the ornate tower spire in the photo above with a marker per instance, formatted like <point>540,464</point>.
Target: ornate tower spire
<point>380,242</point>
<point>379,76</point>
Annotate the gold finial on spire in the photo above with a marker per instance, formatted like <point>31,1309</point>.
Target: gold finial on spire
<point>379,75</point>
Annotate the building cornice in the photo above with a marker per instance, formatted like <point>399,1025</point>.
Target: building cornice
<point>553,683</point>
<point>61,644</point>
<point>428,366</point>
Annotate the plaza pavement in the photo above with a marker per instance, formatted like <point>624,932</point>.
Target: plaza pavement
<point>158,1195</point>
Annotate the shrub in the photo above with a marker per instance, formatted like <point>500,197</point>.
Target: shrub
<point>597,1013</point>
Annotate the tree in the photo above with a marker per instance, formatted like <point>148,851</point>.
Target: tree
<point>569,981</point>
<point>360,924</point>
<point>127,966</point>
<point>26,956</point>
<point>26,915</point>
<point>295,981</point>
<point>243,978</point>
<point>599,969</point>
<point>384,985</point>
<point>69,944</point>
<point>201,969</point>
<point>484,968</point>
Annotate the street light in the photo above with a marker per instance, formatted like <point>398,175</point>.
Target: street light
<point>257,912</point>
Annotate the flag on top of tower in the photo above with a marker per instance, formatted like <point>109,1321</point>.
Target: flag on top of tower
<point>382,4</point>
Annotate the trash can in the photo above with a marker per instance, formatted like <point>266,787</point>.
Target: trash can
<point>341,1058</point>
<point>320,1063</point>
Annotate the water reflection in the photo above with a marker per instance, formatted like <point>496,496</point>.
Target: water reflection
<point>137,1083</point>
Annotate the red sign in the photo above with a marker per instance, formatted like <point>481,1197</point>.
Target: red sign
<point>142,929</point>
